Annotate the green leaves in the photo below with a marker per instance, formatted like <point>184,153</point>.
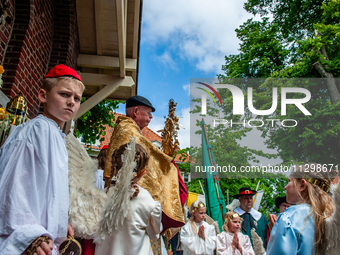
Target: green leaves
<point>93,123</point>
<point>301,40</point>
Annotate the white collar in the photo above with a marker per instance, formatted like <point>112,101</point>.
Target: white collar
<point>256,215</point>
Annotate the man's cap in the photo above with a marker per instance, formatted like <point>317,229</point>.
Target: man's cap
<point>105,147</point>
<point>280,200</point>
<point>62,70</point>
<point>139,100</point>
<point>245,192</point>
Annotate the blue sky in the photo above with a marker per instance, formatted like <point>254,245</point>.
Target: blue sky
<point>182,40</point>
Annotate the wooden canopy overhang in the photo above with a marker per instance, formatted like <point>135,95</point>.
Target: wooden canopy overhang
<point>109,38</point>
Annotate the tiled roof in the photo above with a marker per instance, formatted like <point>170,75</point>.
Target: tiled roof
<point>146,132</point>
<point>336,180</point>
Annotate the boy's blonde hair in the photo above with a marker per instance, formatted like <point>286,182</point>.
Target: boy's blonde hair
<point>227,219</point>
<point>49,83</point>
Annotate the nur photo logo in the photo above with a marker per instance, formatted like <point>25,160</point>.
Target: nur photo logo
<point>238,108</point>
<point>238,99</point>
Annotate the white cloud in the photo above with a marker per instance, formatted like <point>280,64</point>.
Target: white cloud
<point>157,123</point>
<point>184,134</point>
<point>167,60</point>
<point>186,88</point>
<point>197,30</point>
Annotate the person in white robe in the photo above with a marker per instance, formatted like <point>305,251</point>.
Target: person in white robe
<point>143,224</point>
<point>34,194</point>
<point>197,236</point>
<point>131,217</point>
<point>33,203</point>
<point>225,239</point>
<point>231,241</point>
<point>101,164</point>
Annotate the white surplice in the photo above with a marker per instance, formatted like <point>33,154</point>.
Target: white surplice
<point>143,223</point>
<point>100,184</point>
<point>225,239</point>
<point>193,244</point>
<point>34,194</point>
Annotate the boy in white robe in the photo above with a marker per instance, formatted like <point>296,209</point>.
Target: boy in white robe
<point>34,195</point>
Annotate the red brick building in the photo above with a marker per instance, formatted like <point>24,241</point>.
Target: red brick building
<point>100,39</point>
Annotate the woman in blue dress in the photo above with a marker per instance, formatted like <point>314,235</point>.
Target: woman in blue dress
<point>300,228</point>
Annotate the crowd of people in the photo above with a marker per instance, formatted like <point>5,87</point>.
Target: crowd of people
<point>298,229</point>
<point>34,192</point>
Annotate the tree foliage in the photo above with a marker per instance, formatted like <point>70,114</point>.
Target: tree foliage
<point>92,124</point>
<point>293,39</point>
<point>301,40</point>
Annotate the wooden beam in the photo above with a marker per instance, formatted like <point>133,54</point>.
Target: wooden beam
<point>111,86</point>
<point>97,8</point>
<point>105,62</point>
<point>121,29</point>
<point>135,30</point>
<point>101,79</point>
<point>135,40</point>
<point>69,128</point>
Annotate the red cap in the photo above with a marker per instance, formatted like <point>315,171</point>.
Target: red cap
<point>105,147</point>
<point>62,70</point>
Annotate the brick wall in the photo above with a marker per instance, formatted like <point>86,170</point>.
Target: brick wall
<point>6,30</point>
<point>42,34</point>
<point>65,37</point>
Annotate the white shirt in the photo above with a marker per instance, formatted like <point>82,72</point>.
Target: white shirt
<point>193,244</point>
<point>34,194</point>
<point>225,239</point>
<point>100,183</point>
<point>143,223</point>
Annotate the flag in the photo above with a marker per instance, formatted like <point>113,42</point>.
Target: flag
<point>192,197</point>
<point>215,201</point>
<point>257,200</point>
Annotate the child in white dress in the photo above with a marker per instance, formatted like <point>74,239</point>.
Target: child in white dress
<point>231,241</point>
<point>131,217</point>
<point>197,236</point>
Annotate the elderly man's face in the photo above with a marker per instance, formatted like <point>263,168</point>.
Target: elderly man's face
<point>143,116</point>
<point>246,202</point>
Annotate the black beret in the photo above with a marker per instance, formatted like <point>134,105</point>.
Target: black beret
<point>139,100</point>
<point>280,200</point>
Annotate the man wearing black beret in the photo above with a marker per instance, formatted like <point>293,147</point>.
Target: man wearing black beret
<point>140,110</point>
<point>162,176</point>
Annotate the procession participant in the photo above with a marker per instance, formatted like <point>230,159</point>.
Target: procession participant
<point>282,204</point>
<point>162,177</point>
<point>231,241</point>
<point>101,165</point>
<point>88,245</point>
<point>300,229</point>
<point>251,217</point>
<point>34,191</point>
<point>131,216</point>
<point>197,236</point>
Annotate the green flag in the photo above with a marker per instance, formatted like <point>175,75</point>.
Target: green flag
<point>213,194</point>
